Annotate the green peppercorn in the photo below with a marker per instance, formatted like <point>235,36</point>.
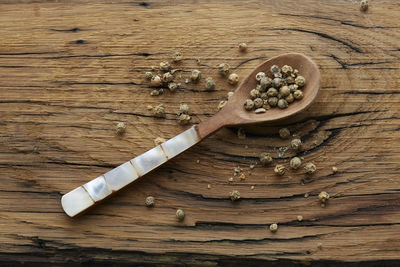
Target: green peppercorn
<point>149,201</point>
<point>295,144</point>
<point>300,81</point>
<point>310,168</point>
<point>180,215</point>
<point>289,80</point>
<point>272,92</point>
<point>273,101</point>
<point>167,77</point>
<point>265,83</point>
<point>223,69</point>
<point>195,76</point>
<point>234,195</point>
<point>249,104</point>
<point>254,93</point>
<point>173,86</point>
<point>277,82</point>
<point>258,103</point>
<point>164,66</point>
<point>284,90</point>
<point>289,98</point>
<point>298,94</point>
<point>295,163</point>
<point>275,69</point>
<point>280,169</point>
<point>265,159</point>
<point>155,81</point>
<point>287,70</point>
<point>259,76</point>
<point>282,103</point>
<point>364,5</point>
<point>177,57</point>
<point>233,78</point>
<point>148,75</point>
<point>210,84</point>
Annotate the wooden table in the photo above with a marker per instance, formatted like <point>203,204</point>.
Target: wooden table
<point>69,71</point>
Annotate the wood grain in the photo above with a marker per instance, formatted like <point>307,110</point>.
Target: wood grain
<point>70,70</point>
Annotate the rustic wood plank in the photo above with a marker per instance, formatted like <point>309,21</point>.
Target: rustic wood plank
<point>70,70</point>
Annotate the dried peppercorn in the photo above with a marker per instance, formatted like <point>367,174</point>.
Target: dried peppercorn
<point>249,104</point>
<point>167,77</point>
<point>223,69</point>
<point>209,84</point>
<point>282,103</point>
<point>364,5</point>
<point>295,163</point>
<point>165,66</point>
<point>233,79</point>
<point>258,102</point>
<point>273,101</point>
<point>323,197</point>
<point>155,81</point>
<point>273,227</point>
<point>310,168</point>
<point>298,94</point>
<point>184,119</point>
<point>180,215</point>
<point>300,81</point>
<point>177,57</point>
<point>279,169</point>
<point>121,128</point>
<point>295,144</point>
<point>265,159</point>
<point>234,195</point>
<point>159,111</point>
<point>242,47</point>
<point>259,76</point>
<point>254,93</point>
<point>149,201</point>
<point>195,76</point>
<point>148,75</point>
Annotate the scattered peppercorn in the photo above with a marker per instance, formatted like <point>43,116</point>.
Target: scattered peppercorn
<point>242,47</point>
<point>230,179</point>
<point>184,119</point>
<point>221,104</point>
<point>299,218</point>
<point>149,201</point>
<point>173,86</point>
<point>273,227</point>
<point>148,75</point>
<point>159,141</point>
<point>167,77</point>
<point>334,169</point>
<point>323,197</point>
<point>195,76</point>
<point>223,69</point>
<point>159,111</point>
<point>233,79</point>
<point>284,133</point>
<point>121,128</point>
<point>155,81</point>
<point>164,66</point>
<point>177,57</point>
<point>184,108</point>
<point>295,144</point>
<point>180,215</point>
<point>234,195</point>
<point>310,168</point>
<point>280,169</point>
<point>249,104</point>
<point>295,163</point>
<point>265,159</point>
<point>210,84</point>
<point>364,5</point>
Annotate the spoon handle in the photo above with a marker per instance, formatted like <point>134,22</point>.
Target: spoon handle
<point>87,195</point>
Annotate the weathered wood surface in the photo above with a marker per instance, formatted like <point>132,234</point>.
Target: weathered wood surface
<point>70,70</point>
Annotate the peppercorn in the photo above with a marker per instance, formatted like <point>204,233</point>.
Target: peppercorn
<point>242,47</point>
<point>159,141</point>
<point>249,104</point>
<point>273,227</point>
<point>259,76</point>
<point>273,101</point>
<point>265,83</point>
<point>121,128</point>
<point>167,77</point>
<point>265,159</point>
<point>223,69</point>
<point>275,69</point>
<point>272,92</point>
<point>282,103</point>
<point>310,168</point>
<point>323,197</point>
<point>229,94</point>
<point>210,84</point>
<point>177,57</point>
<point>258,102</point>
<point>173,86</point>
<point>289,80</point>
<point>284,90</point>
<point>295,144</point>
<point>264,96</point>
<point>233,79</point>
<point>280,169</point>
<point>184,119</point>
<point>334,169</point>
<point>260,110</point>
<point>149,201</point>
<point>221,104</point>
<point>159,111</point>
<point>266,105</point>
<point>298,94</point>
<point>155,92</point>
<point>295,163</point>
<point>254,93</point>
<point>164,66</point>
<point>284,133</point>
<point>148,75</point>
<point>364,5</point>
<point>155,81</point>
<point>293,87</point>
<point>277,82</point>
<point>299,218</point>
<point>290,98</point>
<point>234,195</point>
<point>287,70</point>
<point>300,81</point>
<point>183,109</point>
<point>230,179</point>
<point>180,215</point>
<point>196,75</point>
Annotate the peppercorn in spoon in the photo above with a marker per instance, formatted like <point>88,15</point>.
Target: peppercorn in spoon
<point>233,113</point>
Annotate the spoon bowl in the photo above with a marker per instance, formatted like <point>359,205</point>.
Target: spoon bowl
<point>233,113</point>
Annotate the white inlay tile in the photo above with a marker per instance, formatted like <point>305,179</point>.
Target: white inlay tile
<point>76,201</point>
<point>121,176</point>
<point>180,143</point>
<point>149,160</point>
<point>97,188</point>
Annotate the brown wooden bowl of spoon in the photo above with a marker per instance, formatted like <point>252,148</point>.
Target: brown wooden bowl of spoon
<point>233,113</point>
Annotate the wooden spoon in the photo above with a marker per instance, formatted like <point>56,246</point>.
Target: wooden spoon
<point>233,113</point>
